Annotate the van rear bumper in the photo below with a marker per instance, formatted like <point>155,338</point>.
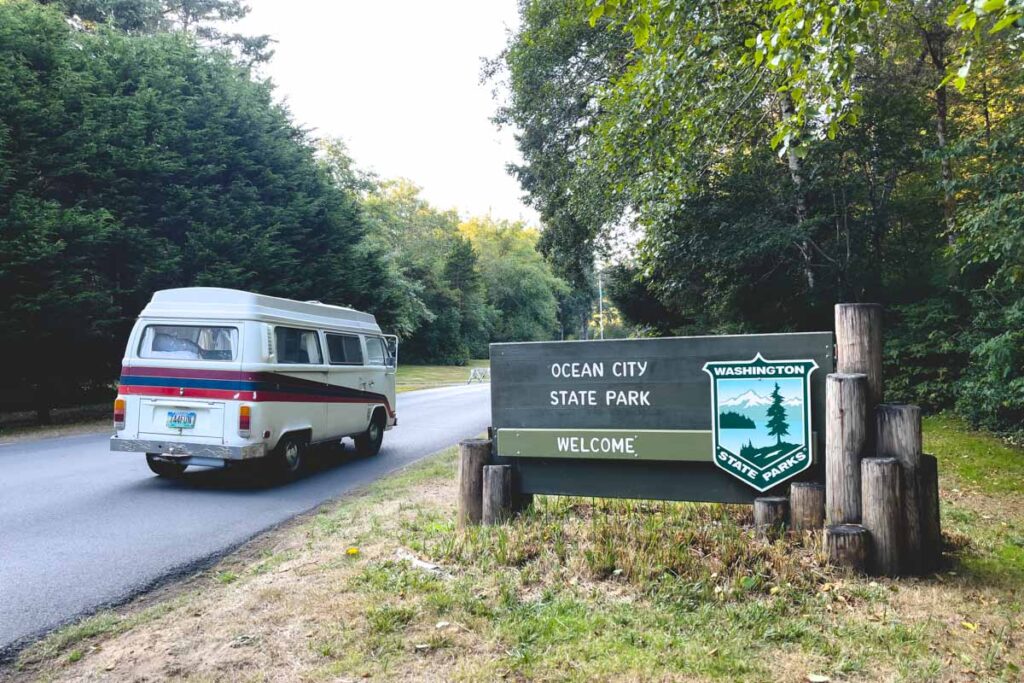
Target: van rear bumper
<point>197,450</point>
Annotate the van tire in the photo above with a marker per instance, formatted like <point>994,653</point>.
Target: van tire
<point>164,468</point>
<point>368,443</point>
<point>289,456</point>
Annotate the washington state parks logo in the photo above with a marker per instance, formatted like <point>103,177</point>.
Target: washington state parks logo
<point>761,418</point>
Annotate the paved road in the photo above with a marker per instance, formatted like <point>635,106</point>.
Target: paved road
<point>81,527</point>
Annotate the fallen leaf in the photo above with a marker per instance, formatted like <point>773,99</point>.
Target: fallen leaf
<point>818,678</point>
<point>969,626</point>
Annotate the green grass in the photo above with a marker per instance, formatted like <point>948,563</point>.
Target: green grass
<point>639,589</point>
<point>975,458</point>
<point>412,377</point>
<point>582,589</point>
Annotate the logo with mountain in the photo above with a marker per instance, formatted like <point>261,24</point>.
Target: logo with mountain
<point>761,418</point>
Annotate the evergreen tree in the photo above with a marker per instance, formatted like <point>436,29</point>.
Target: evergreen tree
<point>130,163</point>
<point>777,425</point>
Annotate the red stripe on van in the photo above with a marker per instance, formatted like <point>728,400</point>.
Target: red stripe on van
<point>253,396</point>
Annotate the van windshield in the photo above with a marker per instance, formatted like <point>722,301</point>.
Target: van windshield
<point>189,342</point>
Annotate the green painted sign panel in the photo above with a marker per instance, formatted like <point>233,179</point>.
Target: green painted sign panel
<point>615,444</point>
<point>678,422</point>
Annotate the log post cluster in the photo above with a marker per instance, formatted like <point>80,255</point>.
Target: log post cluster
<point>881,498</point>
<point>485,490</point>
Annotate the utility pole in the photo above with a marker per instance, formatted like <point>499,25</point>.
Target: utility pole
<point>600,302</point>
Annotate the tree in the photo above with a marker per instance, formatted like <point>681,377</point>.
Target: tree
<point>777,425</point>
<point>553,70</point>
<point>519,283</point>
<point>201,18</point>
<point>130,163</point>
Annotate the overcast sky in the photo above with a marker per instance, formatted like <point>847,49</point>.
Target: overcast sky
<point>399,82</point>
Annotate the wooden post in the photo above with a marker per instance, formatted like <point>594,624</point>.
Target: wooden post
<point>807,506</point>
<point>521,502</point>
<point>859,346</point>
<point>845,439</point>
<point>898,436</point>
<point>848,545</point>
<point>473,455</point>
<point>880,494</point>
<point>497,494</point>
<point>931,528</point>
<point>770,514</point>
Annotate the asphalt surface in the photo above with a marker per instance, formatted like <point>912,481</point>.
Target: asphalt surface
<point>82,528</point>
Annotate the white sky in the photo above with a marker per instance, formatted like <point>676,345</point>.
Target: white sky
<point>399,82</point>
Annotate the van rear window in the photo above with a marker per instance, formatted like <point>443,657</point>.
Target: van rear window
<point>189,342</point>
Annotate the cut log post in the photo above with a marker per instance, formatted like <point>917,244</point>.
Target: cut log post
<point>898,436</point>
<point>882,514</point>
<point>859,346</point>
<point>473,455</point>
<point>848,545</point>
<point>770,513</point>
<point>845,438</point>
<point>807,506</point>
<point>497,494</point>
<point>931,528</point>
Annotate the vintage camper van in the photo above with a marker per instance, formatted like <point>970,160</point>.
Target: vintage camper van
<point>216,376</point>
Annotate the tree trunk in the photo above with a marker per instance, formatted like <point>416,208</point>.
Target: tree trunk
<point>935,38</point>
<point>800,207</point>
<point>473,455</point>
<point>807,506</point>
<point>883,515</point>
<point>899,436</point>
<point>845,438</point>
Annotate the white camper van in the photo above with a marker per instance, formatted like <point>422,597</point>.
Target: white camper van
<point>213,376</point>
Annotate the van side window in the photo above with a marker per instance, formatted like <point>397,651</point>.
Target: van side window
<point>344,349</point>
<point>374,351</point>
<point>297,346</point>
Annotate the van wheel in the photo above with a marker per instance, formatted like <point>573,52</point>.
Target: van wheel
<point>164,468</point>
<point>288,459</point>
<point>368,443</point>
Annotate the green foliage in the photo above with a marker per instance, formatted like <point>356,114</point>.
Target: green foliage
<point>133,163</point>
<point>554,68</point>
<point>715,135</point>
<point>520,284</point>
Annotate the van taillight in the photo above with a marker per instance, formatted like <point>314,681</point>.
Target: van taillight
<point>244,420</point>
<point>119,413</point>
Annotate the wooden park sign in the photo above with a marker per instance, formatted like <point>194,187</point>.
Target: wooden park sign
<point>718,419</point>
<point>685,418</point>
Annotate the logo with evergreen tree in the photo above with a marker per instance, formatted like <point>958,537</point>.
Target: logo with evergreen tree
<point>761,417</point>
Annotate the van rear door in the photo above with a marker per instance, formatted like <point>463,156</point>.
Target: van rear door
<point>186,374</point>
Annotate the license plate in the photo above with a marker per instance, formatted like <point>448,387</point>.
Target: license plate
<point>180,419</point>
